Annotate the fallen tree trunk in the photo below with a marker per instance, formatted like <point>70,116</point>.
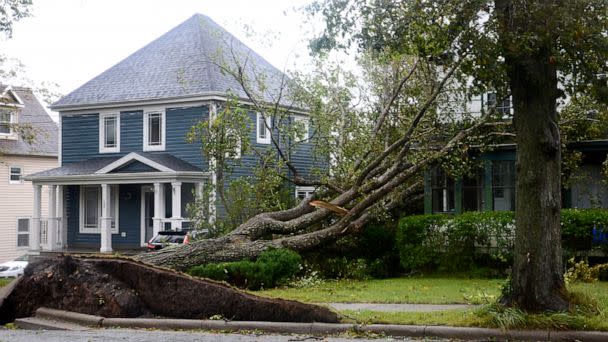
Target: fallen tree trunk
<point>113,287</point>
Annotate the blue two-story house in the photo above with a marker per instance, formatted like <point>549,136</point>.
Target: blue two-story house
<point>126,170</point>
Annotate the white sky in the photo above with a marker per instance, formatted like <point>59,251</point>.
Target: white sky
<point>71,41</point>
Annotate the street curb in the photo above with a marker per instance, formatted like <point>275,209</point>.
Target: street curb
<point>467,333</point>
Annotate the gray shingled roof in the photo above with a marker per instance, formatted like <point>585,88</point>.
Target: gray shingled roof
<point>183,62</point>
<point>45,130</point>
<point>90,166</point>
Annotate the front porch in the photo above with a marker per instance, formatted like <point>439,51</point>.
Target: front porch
<point>120,204</point>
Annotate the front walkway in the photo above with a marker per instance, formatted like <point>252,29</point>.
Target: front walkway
<point>399,307</point>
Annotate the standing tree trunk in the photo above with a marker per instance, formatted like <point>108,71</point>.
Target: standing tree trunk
<point>537,280</point>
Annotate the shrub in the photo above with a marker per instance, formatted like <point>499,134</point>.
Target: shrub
<point>455,243</point>
<point>485,239</point>
<point>273,267</point>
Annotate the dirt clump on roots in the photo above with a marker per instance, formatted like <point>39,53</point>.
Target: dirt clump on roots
<point>118,287</point>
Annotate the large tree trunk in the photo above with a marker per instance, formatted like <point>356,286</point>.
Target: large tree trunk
<point>537,280</point>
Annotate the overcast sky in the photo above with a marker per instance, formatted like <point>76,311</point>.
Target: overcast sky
<point>71,41</point>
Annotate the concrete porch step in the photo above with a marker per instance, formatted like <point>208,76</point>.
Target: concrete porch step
<point>38,323</point>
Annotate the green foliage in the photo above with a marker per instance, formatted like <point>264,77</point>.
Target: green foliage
<point>455,243</point>
<point>370,254</point>
<point>581,271</point>
<point>13,11</point>
<point>273,267</point>
<point>477,239</point>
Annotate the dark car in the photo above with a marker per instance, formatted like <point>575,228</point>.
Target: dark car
<point>166,238</point>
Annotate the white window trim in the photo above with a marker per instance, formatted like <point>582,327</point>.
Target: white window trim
<point>29,229</point>
<point>12,135</point>
<point>163,137</point>
<point>308,189</point>
<point>20,181</point>
<point>102,137</point>
<point>305,121</point>
<point>97,230</point>
<point>268,126</point>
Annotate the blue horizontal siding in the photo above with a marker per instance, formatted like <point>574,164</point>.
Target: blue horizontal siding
<point>80,135</point>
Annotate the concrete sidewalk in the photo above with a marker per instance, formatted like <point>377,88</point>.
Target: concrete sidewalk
<point>322,329</point>
<point>399,307</point>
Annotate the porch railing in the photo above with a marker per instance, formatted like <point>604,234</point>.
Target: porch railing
<point>45,243</point>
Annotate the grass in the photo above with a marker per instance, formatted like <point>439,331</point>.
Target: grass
<point>443,290</point>
<point>415,290</point>
<point>5,281</point>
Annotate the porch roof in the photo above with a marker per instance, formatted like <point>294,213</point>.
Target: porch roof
<point>162,167</point>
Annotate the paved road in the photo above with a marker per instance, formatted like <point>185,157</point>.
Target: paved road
<point>122,335</point>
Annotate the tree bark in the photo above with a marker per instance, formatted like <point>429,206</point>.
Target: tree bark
<point>537,282</point>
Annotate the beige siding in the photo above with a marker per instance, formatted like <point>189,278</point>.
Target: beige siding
<point>17,200</point>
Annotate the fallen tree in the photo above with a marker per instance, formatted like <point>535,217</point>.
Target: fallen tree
<point>402,139</point>
<point>114,287</point>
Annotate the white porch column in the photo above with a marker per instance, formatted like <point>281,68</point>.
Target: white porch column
<point>156,220</point>
<point>52,222</point>
<point>106,220</point>
<point>35,231</point>
<point>176,206</point>
<point>62,239</point>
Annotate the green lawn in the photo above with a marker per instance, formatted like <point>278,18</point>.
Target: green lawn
<point>417,290</point>
<point>4,281</point>
<point>443,290</point>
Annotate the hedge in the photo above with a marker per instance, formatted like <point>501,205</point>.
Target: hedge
<point>477,239</point>
<point>273,267</point>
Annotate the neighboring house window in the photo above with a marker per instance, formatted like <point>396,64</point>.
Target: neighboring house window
<point>472,192</point>
<point>109,133</point>
<point>14,175</point>
<point>442,191</point>
<point>263,129</point>
<point>503,185</point>
<point>6,121</point>
<point>23,232</point>
<point>504,107</point>
<point>233,140</point>
<point>304,191</point>
<point>301,128</point>
<point>90,208</point>
<point>154,130</point>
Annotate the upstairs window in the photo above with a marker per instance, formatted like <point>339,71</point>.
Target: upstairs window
<point>504,107</point>
<point>301,128</point>
<point>6,121</point>
<point>109,133</point>
<point>14,175</point>
<point>154,131</point>
<point>263,125</point>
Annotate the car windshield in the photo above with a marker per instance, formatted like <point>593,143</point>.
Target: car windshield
<point>22,258</point>
<point>168,239</point>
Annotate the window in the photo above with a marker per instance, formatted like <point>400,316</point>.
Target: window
<point>263,129</point>
<point>6,121</point>
<point>90,208</point>
<point>23,232</point>
<point>154,131</point>
<point>109,133</point>
<point>301,128</point>
<point>304,191</point>
<point>14,175</point>
<point>504,107</point>
<point>442,191</point>
<point>233,143</point>
<point>472,192</point>
<point>503,185</point>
